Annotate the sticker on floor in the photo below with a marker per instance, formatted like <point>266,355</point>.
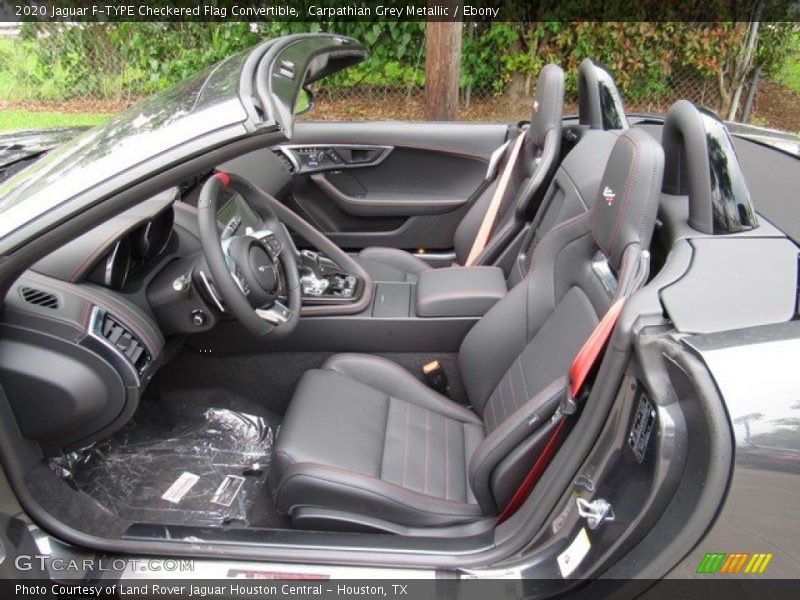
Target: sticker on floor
<point>227,490</point>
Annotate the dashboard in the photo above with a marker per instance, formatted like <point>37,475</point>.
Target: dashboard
<point>94,312</point>
<point>236,216</point>
<point>134,250</point>
<point>98,311</point>
<point>130,247</point>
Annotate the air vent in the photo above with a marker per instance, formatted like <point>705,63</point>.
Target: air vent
<point>39,297</point>
<point>127,343</point>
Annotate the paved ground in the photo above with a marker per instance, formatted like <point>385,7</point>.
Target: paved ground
<point>760,516</point>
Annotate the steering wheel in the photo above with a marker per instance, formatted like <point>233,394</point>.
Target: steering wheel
<point>251,270</point>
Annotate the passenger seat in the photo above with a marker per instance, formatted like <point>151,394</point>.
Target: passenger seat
<point>526,167</point>
<point>601,120</point>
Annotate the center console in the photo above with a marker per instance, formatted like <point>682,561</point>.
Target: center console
<point>459,291</point>
<point>430,315</point>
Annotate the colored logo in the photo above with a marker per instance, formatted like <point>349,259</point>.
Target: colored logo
<point>736,562</point>
<point>609,195</point>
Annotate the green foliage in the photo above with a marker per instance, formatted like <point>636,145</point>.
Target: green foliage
<point>483,52</point>
<point>113,60</point>
<point>789,74</point>
<point>24,119</point>
<point>109,60</point>
<point>779,51</point>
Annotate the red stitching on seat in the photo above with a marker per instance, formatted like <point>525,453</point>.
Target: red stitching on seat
<point>352,357</point>
<point>373,480</point>
<point>446,458</point>
<point>502,399</point>
<point>493,411</point>
<point>549,234</point>
<point>427,430</point>
<point>405,442</point>
<point>512,422</point>
<point>628,188</point>
<point>510,374</point>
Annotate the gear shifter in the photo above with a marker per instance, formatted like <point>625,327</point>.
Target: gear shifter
<point>312,276</point>
<point>311,259</point>
<point>321,278</point>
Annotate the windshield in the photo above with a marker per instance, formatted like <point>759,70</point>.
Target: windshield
<point>194,107</point>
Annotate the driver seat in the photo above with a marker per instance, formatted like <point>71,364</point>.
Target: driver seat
<point>363,440</point>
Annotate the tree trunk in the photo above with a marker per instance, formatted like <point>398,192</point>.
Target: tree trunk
<point>442,66</point>
<point>751,94</point>
<point>742,68</point>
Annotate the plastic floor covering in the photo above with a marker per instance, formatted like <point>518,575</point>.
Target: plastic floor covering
<point>184,462</point>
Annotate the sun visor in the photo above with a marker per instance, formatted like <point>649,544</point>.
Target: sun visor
<point>296,62</point>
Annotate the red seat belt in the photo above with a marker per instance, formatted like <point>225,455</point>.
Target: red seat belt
<point>587,357</point>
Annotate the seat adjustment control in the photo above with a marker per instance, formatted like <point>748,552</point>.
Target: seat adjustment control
<point>436,377</point>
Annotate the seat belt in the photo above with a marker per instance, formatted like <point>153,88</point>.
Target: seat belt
<point>482,238</point>
<point>588,356</point>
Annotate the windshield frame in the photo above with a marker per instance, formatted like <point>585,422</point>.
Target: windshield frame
<point>203,104</point>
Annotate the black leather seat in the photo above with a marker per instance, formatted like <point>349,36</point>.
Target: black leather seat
<point>531,174</point>
<point>365,437</point>
<point>375,437</point>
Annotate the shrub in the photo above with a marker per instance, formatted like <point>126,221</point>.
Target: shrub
<point>112,60</point>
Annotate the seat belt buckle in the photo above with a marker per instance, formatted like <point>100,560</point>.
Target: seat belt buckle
<point>436,377</point>
<point>567,406</point>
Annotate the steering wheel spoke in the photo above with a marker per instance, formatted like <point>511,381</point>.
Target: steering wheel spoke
<point>241,281</point>
<point>269,241</point>
<point>277,314</point>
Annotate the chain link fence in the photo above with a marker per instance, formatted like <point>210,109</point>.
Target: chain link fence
<point>121,81</point>
<point>369,102</point>
<point>773,104</point>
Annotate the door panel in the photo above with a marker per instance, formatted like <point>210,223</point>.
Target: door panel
<point>403,185</point>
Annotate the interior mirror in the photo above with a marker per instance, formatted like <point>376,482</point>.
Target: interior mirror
<point>305,101</point>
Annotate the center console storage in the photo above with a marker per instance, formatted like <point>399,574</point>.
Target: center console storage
<point>459,291</point>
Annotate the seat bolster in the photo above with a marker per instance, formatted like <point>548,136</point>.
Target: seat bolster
<point>626,203</point>
<point>361,494</point>
<point>507,436</point>
<point>391,264</point>
<point>393,380</point>
<point>548,104</point>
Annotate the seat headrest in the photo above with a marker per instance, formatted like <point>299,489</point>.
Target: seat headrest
<point>548,103</point>
<point>625,208</point>
<point>702,164</point>
<point>599,102</point>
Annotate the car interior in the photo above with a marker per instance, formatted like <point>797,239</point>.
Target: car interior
<point>366,329</point>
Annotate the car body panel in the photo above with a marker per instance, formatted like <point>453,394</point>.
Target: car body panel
<point>756,372</point>
<point>19,145</point>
